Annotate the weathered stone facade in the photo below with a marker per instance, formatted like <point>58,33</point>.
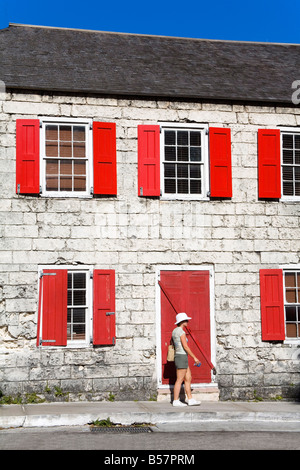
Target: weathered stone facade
<point>135,235</point>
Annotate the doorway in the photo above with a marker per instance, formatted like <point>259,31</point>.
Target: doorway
<point>186,291</point>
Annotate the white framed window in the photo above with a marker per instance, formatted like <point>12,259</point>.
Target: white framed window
<point>79,307</point>
<point>77,290</point>
<point>66,157</point>
<point>76,306</point>
<point>184,162</point>
<point>290,164</point>
<point>292,303</point>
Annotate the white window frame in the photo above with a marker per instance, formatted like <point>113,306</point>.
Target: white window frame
<point>205,175</point>
<point>89,148</point>
<point>285,269</point>
<point>89,299</point>
<point>286,130</point>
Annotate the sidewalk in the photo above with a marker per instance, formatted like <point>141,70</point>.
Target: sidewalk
<point>274,416</point>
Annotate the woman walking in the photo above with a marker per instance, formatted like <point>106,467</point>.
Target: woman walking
<point>182,351</point>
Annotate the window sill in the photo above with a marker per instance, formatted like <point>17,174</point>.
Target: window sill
<point>183,198</point>
<point>292,341</point>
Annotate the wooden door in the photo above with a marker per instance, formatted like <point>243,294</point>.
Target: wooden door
<point>188,291</point>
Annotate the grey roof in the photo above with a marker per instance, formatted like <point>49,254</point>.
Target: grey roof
<point>80,61</point>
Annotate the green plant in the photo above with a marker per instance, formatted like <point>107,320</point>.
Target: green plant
<point>58,392</point>
<point>33,398</point>
<point>111,397</point>
<point>102,423</point>
<point>256,397</point>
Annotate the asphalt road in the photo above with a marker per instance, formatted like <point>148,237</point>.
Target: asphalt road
<point>82,438</point>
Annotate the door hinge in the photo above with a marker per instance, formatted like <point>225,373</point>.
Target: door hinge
<point>141,191</point>
<point>47,341</point>
<point>47,274</point>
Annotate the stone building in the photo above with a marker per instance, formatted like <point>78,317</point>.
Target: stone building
<point>141,176</point>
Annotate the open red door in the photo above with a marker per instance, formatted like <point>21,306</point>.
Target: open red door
<point>188,292</point>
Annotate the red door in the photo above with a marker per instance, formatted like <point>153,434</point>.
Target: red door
<point>188,291</point>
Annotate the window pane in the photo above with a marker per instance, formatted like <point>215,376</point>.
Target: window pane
<point>79,150</point>
<point>79,297</point>
<point>78,315</point>
<point>65,133</point>
<point>79,183</point>
<point>290,313</point>
<point>183,186</point>
<point>170,153</point>
<point>51,183</point>
<point>170,186</point>
<point>66,183</point>
<point>79,280</point>
<point>66,167</point>
<point>288,189</point>
<point>170,137</point>
<point>170,170</point>
<point>290,279</point>
<point>195,171</point>
<point>51,132</point>
<point>51,149</point>
<point>195,186</point>
<point>291,330</point>
<point>182,138</point>
<point>195,138</point>
<point>195,154</point>
<point>287,173</point>
<point>182,171</point>
<point>182,154</point>
<point>291,296</point>
<point>79,133</point>
<point>288,156</point>
<point>287,141</point>
<point>79,167</point>
<point>65,149</point>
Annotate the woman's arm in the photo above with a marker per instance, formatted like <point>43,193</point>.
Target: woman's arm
<point>187,349</point>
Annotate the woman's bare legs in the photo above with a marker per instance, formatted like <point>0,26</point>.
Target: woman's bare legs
<point>187,383</point>
<point>180,373</point>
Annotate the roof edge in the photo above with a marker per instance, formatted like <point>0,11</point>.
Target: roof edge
<point>153,35</point>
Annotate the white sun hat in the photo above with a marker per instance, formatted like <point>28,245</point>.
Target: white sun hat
<point>181,317</point>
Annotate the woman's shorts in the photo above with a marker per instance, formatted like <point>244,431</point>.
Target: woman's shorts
<point>181,361</point>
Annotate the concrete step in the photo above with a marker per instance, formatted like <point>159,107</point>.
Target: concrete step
<point>204,393</point>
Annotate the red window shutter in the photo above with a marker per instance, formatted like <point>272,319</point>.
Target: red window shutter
<point>148,160</point>
<point>272,305</point>
<point>220,162</point>
<point>105,158</point>
<point>27,156</point>
<point>104,307</point>
<point>269,178</point>
<point>54,308</point>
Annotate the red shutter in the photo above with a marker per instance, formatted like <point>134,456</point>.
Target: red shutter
<point>148,160</point>
<point>27,156</point>
<point>220,162</point>
<point>54,308</point>
<point>269,178</point>
<point>272,305</point>
<point>104,307</point>
<point>105,158</point>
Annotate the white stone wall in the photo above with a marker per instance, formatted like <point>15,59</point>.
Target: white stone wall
<point>133,236</point>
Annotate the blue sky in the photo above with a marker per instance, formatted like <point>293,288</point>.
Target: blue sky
<point>238,20</point>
